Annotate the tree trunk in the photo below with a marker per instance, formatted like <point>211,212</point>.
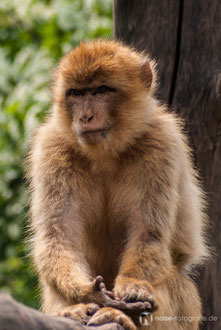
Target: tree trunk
<point>185,38</point>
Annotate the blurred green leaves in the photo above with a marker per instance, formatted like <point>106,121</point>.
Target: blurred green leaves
<point>34,34</point>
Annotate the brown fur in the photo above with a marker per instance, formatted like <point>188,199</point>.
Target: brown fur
<point>128,207</point>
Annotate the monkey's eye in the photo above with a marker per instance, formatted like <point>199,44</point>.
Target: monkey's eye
<point>75,92</point>
<point>103,89</point>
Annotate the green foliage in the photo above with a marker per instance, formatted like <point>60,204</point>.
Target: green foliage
<point>34,34</point>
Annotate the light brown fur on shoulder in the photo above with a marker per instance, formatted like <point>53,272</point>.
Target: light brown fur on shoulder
<point>114,190</point>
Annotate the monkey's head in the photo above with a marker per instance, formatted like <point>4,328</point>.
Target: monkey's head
<point>102,94</point>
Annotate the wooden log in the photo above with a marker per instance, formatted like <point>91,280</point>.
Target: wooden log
<point>16,316</point>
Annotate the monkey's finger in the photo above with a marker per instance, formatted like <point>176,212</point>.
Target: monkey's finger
<point>102,286</point>
<point>110,294</point>
<point>97,282</point>
<point>134,297</point>
<point>116,304</point>
<point>99,279</point>
<point>149,306</point>
<point>138,307</point>
<point>92,309</point>
<point>154,304</point>
<point>131,296</point>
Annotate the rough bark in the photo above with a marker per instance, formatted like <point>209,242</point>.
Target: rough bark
<point>185,38</point>
<point>16,316</point>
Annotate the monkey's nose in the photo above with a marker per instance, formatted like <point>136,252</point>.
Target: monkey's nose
<point>86,118</point>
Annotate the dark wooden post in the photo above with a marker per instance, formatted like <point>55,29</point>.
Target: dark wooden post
<point>185,38</point>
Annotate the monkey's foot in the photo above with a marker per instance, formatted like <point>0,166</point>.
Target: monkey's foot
<point>111,315</point>
<point>80,312</point>
<point>131,290</point>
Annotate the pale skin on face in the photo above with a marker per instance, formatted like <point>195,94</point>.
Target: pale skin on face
<point>114,193</point>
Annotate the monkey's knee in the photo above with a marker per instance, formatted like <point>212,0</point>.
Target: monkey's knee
<point>191,307</point>
<point>179,305</point>
<point>189,299</point>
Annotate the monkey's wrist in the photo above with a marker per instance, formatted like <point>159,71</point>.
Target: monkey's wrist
<point>88,292</point>
<point>72,290</point>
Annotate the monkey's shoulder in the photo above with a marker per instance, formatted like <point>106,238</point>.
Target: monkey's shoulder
<point>50,149</point>
<point>162,136</point>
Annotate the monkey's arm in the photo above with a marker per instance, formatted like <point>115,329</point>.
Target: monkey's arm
<point>170,221</point>
<point>56,227</point>
<point>59,261</point>
<point>146,262</point>
<point>148,256</point>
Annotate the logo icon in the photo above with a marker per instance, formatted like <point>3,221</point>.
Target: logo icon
<point>146,318</point>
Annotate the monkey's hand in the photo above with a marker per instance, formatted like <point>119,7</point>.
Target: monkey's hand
<point>132,309</point>
<point>109,315</point>
<point>98,293</point>
<point>105,298</point>
<point>132,290</point>
<point>80,312</point>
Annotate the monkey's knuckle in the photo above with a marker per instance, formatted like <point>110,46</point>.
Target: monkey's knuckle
<point>128,325</point>
<point>94,321</point>
<point>125,322</point>
<point>92,308</point>
<point>101,318</point>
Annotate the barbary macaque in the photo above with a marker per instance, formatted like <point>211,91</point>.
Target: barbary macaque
<point>117,212</point>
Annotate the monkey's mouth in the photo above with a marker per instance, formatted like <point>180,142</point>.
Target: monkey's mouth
<point>94,136</point>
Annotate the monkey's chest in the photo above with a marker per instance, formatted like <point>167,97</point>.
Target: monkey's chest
<point>105,237</point>
<point>110,205</point>
<point>105,245</point>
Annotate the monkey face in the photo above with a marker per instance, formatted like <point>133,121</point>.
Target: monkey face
<point>101,91</point>
<point>90,109</point>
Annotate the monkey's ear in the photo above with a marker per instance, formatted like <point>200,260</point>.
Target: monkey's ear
<point>146,74</point>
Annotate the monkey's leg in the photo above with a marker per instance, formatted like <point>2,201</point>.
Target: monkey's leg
<point>147,274</point>
<point>110,315</point>
<point>179,304</point>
